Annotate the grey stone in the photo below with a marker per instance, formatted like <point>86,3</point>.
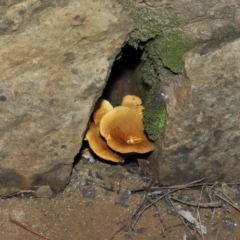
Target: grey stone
<point>89,192</point>
<point>55,60</point>
<point>202,133</point>
<point>228,224</point>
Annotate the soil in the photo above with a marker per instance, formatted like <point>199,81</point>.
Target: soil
<point>99,201</point>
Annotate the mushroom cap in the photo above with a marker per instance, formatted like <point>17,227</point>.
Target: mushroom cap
<point>123,130</point>
<point>101,108</point>
<point>133,102</point>
<point>99,146</point>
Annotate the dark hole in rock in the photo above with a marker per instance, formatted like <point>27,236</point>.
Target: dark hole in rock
<point>124,79</point>
<point>125,76</point>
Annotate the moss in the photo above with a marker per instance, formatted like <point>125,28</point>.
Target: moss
<point>124,3</point>
<point>171,48</point>
<point>149,24</point>
<point>156,32</point>
<point>163,44</point>
<point>154,116</point>
<point>166,50</point>
<point>154,123</point>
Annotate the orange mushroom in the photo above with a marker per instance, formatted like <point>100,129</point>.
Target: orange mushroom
<point>99,145</point>
<point>123,130</point>
<point>102,107</point>
<point>132,101</point>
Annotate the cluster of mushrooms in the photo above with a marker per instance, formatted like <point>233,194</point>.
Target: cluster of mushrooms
<point>117,131</point>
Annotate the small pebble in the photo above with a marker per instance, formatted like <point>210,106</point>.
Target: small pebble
<point>89,204</point>
<point>99,176</point>
<point>89,193</point>
<point>44,192</point>
<point>228,224</point>
<point>124,198</point>
<point>141,230</point>
<point>171,212</point>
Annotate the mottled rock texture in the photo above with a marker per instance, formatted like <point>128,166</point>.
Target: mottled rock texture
<point>202,133</point>
<point>200,20</point>
<point>205,20</point>
<point>55,59</point>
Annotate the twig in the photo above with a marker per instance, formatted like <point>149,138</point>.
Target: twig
<point>201,205</point>
<point>128,222</point>
<point>211,199</point>
<point>140,205</point>
<point>198,214</point>
<point>169,192</point>
<point>28,228</point>
<point>163,227</point>
<point>225,199</point>
<point>217,234</point>
<point>180,216</point>
<point>176,187</point>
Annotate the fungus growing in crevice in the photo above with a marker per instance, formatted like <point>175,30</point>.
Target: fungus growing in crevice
<point>101,108</point>
<point>122,127</point>
<point>99,145</point>
<point>132,101</point>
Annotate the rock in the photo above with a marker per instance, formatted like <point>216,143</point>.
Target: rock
<point>44,192</point>
<point>202,133</point>
<point>200,20</point>
<point>55,59</point>
<point>205,20</point>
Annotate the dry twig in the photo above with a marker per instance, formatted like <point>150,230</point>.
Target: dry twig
<point>180,217</point>
<point>198,214</point>
<point>201,205</point>
<point>128,223</point>
<point>227,199</point>
<point>28,228</point>
<point>167,192</point>
<point>163,227</point>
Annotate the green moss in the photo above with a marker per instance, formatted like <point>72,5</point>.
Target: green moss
<point>155,127</point>
<point>156,32</point>
<point>163,44</point>
<point>154,115</point>
<point>149,24</point>
<point>173,46</point>
<point>124,3</point>
<point>168,48</point>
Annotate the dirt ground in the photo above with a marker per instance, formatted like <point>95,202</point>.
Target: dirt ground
<point>99,201</point>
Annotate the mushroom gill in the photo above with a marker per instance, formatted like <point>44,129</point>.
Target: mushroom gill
<point>99,145</point>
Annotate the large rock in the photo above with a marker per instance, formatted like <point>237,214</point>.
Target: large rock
<point>204,20</point>
<point>202,133</point>
<point>55,59</point>
<point>200,20</point>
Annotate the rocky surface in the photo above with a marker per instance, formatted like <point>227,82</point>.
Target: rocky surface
<point>202,132</point>
<point>200,20</point>
<point>54,63</point>
<point>208,20</point>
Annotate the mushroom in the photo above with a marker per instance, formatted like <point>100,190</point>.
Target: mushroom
<point>123,130</point>
<point>132,101</point>
<point>99,146</point>
<point>102,107</point>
